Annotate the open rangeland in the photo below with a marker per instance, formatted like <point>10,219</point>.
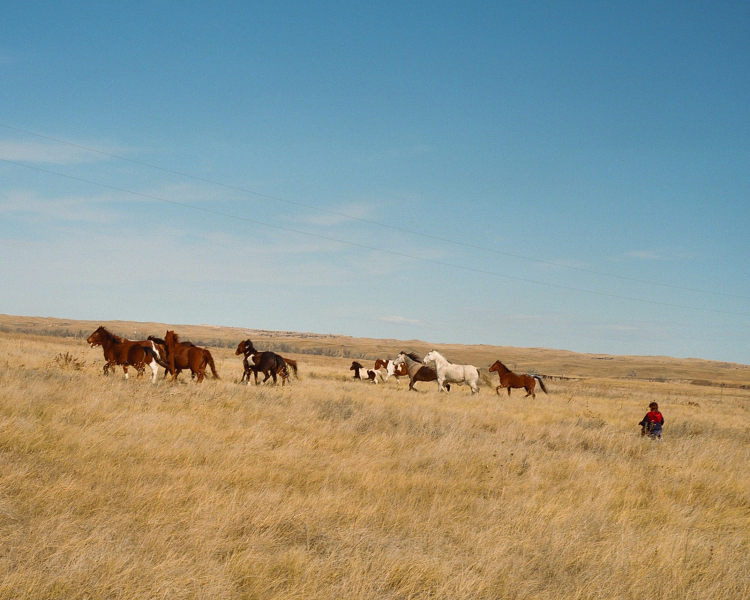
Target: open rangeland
<point>333,488</point>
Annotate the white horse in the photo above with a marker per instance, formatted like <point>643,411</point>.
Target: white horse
<point>450,373</point>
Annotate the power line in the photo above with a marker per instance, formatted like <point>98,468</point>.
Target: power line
<point>373,222</point>
<point>372,248</point>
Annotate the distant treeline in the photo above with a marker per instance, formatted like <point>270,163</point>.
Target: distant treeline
<point>337,352</point>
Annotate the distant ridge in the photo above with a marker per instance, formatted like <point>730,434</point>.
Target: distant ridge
<point>547,362</point>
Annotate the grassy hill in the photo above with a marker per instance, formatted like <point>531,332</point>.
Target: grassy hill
<point>554,363</point>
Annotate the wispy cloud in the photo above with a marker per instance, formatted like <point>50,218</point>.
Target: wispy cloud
<point>50,153</point>
<point>401,320</point>
<point>660,254</point>
<point>355,210</point>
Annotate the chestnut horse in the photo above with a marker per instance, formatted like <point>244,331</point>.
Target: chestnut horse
<point>268,363</point>
<point>183,356</point>
<point>508,379</point>
<point>161,348</point>
<point>119,351</point>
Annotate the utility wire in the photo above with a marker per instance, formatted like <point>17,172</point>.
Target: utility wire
<point>373,222</point>
<point>372,248</point>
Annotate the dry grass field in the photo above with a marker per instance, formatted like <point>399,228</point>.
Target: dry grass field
<point>330,488</point>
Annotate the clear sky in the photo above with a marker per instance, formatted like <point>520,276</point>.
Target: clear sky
<point>500,173</point>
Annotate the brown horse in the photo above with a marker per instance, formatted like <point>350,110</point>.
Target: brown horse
<point>180,355</point>
<point>119,351</point>
<point>268,363</point>
<point>508,379</point>
<point>161,348</point>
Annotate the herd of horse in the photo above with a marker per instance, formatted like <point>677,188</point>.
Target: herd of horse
<point>175,356</point>
<point>435,367</point>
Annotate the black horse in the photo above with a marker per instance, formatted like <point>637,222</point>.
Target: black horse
<point>268,363</point>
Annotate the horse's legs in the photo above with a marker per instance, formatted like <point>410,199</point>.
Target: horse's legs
<point>125,369</point>
<point>440,384</point>
<point>154,370</point>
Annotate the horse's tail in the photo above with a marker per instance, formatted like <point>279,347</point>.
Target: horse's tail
<point>541,383</point>
<point>210,361</point>
<point>154,354</point>
<point>293,365</point>
<point>284,368</point>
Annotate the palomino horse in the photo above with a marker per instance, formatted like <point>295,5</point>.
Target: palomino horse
<point>246,347</point>
<point>416,369</point>
<point>448,372</point>
<point>181,356</point>
<point>508,379</point>
<point>364,374</point>
<point>391,370</point>
<point>119,351</point>
<point>268,363</point>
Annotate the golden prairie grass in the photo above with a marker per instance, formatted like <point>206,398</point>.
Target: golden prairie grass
<point>330,488</point>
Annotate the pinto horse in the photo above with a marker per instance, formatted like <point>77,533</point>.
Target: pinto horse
<point>416,369</point>
<point>508,379</point>
<point>268,363</point>
<point>182,356</point>
<point>448,372</point>
<point>255,356</point>
<point>119,351</point>
<point>364,374</point>
<point>396,371</point>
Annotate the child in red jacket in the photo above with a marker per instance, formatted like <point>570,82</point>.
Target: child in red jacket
<point>652,423</point>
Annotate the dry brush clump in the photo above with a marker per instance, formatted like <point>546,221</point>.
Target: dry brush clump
<point>330,488</point>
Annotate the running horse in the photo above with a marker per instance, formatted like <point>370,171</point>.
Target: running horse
<point>451,373</point>
<point>268,363</point>
<point>508,379</point>
<point>416,369</point>
<point>362,373</point>
<point>119,351</point>
<point>181,356</point>
<point>391,369</point>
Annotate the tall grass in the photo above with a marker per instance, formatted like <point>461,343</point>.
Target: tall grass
<point>330,488</point>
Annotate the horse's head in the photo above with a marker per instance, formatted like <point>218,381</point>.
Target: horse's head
<point>498,367</point>
<point>171,339</point>
<point>240,348</point>
<point>246,347</point>
<point>355,366</point>
<point>96,338</point>
<point>399,360</point>
<point>431,356</point>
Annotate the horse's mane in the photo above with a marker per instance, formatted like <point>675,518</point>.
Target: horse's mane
<point>356,364</point>
<point>171,338</point>
<point>153,338</point>
<point>413,356</point>
<point>115,337</point>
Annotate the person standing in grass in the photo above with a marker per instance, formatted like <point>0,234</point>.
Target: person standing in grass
<point>652,423</point>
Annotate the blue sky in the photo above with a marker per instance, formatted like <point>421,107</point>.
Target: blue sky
<point>564,159</point>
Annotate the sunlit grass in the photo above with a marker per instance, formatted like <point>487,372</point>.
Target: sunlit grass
<point>329,488</point>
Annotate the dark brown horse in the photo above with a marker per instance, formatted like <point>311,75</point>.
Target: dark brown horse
<point>119,351</point>
<point>181,356</point>
<point>508,379</point>
<point>417,370</point>
<point>268,363</point>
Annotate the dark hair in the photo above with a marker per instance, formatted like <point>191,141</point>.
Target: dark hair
<point>654,405</point>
